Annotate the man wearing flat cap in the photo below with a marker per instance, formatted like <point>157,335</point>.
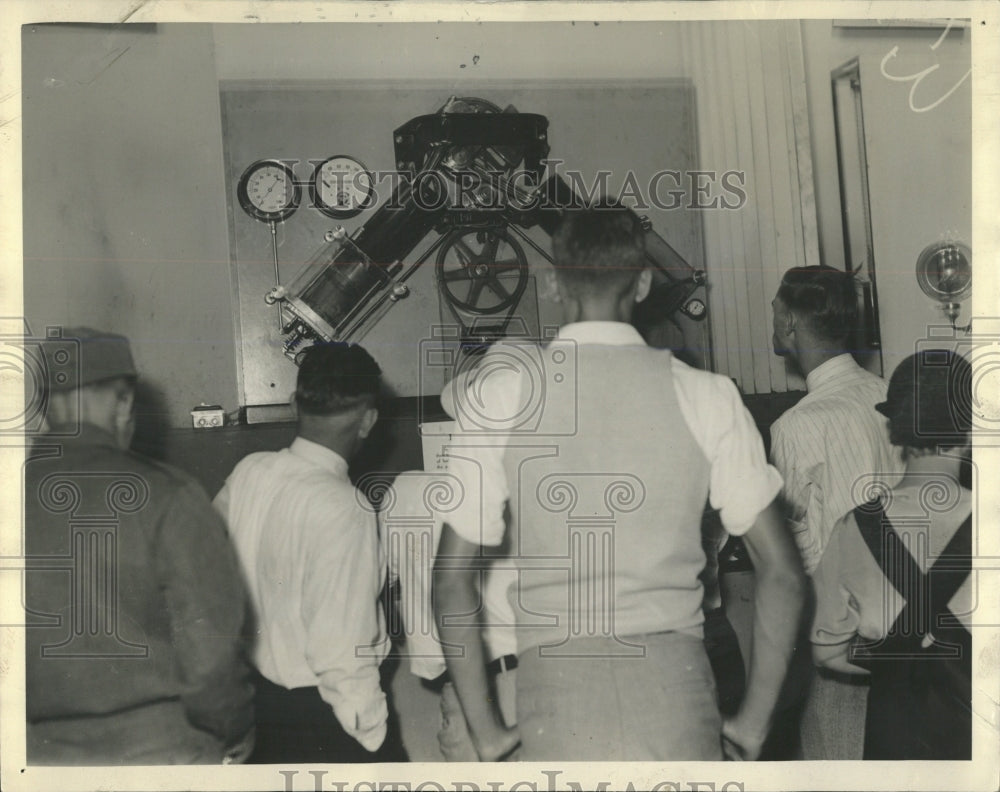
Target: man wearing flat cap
<point>134,600</point>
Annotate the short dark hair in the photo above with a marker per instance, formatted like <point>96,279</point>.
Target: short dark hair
<point>826,297</point>
<point>599,248</point>
<point>336,377</point>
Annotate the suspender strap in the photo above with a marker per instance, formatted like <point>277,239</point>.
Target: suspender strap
<point>892,557</point>
<point>926,595</point>
<point>948,574</point>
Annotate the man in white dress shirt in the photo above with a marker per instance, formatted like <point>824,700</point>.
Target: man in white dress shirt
<point>311,556</point>
<point>827,447</point>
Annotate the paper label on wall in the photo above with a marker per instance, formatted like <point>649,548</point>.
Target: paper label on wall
<point>435,438</point>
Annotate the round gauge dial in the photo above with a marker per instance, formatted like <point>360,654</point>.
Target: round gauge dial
<point>695,308</point>
<point>342,187</point>
<point>268,191</point>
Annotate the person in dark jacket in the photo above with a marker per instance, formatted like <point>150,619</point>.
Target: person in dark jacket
<point>135,604</point>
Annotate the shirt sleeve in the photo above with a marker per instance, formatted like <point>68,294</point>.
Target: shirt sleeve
<point>206,602</point>
<point>346,638</point>
<point>452,392</point>
<point>838,614</point>
<point>742,482</point>
<point>221,503</point>
<point>480,401</point>
<point>802,491</point>
<point>479,467</point>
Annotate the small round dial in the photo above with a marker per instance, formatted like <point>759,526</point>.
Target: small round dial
<point>268,191</point>
<point>695,308</point>
<point>342,187</point>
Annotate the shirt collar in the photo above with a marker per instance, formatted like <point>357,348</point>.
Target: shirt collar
<point>610,333</point>
<point>831,371</point>
<point>319,455</point>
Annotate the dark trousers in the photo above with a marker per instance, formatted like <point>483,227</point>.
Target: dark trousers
<point>298,727</point>
<point>723,649</point>
<point>920,707</point>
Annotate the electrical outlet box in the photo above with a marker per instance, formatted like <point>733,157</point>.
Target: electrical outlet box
<point>208,416</point>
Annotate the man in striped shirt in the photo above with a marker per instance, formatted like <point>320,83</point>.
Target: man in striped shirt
<point>829,448</point>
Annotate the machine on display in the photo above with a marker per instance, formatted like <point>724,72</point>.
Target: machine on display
<point>470,174</point>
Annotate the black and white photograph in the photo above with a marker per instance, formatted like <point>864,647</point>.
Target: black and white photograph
<point>499,396</point>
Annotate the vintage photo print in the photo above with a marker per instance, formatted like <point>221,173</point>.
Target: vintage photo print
<point>499,396</point>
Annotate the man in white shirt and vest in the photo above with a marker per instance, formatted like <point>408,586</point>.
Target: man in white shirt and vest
<point>314,567</point>
<point>827,447</point>
<point>603,451</point>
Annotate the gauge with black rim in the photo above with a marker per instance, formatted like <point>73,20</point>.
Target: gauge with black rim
<point>695,309</point>
<point>341,187</point>
<point>268,191</point>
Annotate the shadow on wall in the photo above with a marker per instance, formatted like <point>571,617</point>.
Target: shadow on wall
<point>152,421</point>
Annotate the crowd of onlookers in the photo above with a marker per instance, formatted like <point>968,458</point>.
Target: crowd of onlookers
<point>556,566</point>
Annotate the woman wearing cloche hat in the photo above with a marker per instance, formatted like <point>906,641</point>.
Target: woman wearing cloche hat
<point>894,584</point>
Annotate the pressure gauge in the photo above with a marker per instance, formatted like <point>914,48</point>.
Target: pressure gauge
<point>341,187</point>
<point>268,191</point>
<point>694,309</point>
